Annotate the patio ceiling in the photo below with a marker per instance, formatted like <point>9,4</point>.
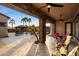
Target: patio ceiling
<point>68,11</point>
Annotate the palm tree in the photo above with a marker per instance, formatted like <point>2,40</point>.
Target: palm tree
<point>33,29</point>
<point>24,21</point>
<point>12,22</point>
<point>29,21</point>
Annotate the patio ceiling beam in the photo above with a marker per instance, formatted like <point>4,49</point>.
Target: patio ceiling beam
<point>29,7</point>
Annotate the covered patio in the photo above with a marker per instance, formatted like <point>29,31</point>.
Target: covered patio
<point>63,19</point>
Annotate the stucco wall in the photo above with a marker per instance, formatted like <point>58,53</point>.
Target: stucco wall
<point>3,30</point>
<point>60,27</point>
<point>3,18</point>
<point>52,28</point>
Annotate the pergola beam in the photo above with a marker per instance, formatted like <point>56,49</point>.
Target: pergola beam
<point>29,7</point>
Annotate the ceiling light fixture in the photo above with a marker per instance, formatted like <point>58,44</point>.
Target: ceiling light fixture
<point>49,6</point>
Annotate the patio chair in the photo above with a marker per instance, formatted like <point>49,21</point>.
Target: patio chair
<point>73,52</point>
<point>67,41</point>
<point>63,51</point>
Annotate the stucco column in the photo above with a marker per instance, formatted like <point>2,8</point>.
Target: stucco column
<point>52,28</point>
<point>42,30</point>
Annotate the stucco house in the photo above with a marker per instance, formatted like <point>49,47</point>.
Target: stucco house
<point>3,25</point>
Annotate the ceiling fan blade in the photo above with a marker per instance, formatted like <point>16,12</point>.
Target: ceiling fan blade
<point>54,5</point>
<point>43,6</point>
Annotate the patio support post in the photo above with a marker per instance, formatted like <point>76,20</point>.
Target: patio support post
<point>42,30</point>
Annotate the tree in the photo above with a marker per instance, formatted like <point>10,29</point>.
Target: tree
<point>24,21</point>
<point>29,21</point>
<point>33,27</point>
<point>12,22</point>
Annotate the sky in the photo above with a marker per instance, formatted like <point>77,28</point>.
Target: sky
<point>17,16</point>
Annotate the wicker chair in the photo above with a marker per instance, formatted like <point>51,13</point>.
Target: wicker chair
<point>73,52</point>
<point>63,46</point>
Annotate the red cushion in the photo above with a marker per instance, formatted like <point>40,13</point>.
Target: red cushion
<point>56,35</point>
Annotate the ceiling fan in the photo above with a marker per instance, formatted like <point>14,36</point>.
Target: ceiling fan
<point>61,18</point>
<point>49,5</point>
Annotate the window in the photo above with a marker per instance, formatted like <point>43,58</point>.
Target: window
<point>76,29</point>
<point>68,28</point>
<point>2,24</point>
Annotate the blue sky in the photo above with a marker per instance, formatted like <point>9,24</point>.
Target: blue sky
<point>17,16</point>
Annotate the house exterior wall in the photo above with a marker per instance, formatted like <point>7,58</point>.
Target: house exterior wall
<point>60,27</point>
<point>3,29</point>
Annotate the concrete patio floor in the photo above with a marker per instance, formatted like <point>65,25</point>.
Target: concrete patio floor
<point>16,45</point>
<point>24,45</point>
